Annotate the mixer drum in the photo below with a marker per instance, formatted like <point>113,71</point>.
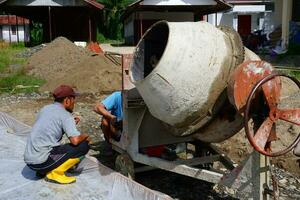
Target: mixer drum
<point>181,68</point>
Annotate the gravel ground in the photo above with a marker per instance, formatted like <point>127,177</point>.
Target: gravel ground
<point>25,107</point>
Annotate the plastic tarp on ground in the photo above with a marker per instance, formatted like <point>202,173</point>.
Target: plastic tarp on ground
<point>96,181</point>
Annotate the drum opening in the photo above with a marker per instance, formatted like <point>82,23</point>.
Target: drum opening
<point>149,51</point>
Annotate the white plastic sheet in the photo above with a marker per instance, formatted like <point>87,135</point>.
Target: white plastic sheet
<point>97,181</point>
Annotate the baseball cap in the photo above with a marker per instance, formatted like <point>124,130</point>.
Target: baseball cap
<point>64,91</point>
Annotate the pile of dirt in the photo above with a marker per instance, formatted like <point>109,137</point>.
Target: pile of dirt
<point>62,62</point>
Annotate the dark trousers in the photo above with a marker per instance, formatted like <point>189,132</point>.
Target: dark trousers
<point>59,155</point>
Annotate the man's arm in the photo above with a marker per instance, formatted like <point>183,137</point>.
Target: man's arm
<point>75,140</point>
<point>100,109</point>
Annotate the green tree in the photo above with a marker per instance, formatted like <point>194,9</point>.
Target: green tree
<point>36,33</point>
<point>113,26</point>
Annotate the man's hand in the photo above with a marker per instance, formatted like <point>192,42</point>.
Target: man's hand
<point>77,119</point>
<point>75,140</point>
<point>88,139</point>
<point>113,120</point>
<point>76,116</point>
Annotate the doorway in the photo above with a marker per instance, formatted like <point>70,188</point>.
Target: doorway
<point>244,25</point>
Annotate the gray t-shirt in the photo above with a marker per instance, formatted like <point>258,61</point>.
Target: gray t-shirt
<point>51,123</point>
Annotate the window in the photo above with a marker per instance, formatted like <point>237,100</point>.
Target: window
<point>13,30</point>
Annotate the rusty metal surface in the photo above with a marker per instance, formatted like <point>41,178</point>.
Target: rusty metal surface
<point>126,61</point>
<point>262,134</point>
<point>291,115</point>
<point>243,79</point>
<point>272,92</point>
<point>261,138</point>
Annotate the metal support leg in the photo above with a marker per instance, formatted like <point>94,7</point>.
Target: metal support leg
<point>251,178</point>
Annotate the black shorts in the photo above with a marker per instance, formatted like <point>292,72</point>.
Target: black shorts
<point>59,155</point>
<point>119,125</point>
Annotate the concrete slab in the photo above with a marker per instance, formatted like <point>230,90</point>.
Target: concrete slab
<point>117,49</point>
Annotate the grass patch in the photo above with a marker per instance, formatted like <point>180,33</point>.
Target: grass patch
<point>4,60</point>
<point>20,82</point>
<point>8,58</point>
<point>102,39</point>
<point>13,79</point>
<point>294,74</point>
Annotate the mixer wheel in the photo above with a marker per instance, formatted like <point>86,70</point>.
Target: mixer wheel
<point>125,165</point>
<point>263,134</point>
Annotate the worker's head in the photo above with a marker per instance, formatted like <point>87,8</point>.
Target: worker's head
<point>65,95</point>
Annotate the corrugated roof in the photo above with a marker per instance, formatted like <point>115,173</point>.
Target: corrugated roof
<point>95,3</point>
<point>250,1</point>
<point>221,5</point>
<point>91,2</point>
<point>12,20</point>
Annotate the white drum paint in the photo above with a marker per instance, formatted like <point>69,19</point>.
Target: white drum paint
<point>194,60</point>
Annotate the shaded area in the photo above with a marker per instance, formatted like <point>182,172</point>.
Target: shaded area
<point>62,18</point>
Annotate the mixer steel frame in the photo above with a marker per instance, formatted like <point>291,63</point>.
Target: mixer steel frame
<point>141,130</point>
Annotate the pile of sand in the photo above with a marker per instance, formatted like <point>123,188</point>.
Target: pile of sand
<point>62,62</point>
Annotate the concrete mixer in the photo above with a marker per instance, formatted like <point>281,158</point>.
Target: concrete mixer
<point>193,83</point>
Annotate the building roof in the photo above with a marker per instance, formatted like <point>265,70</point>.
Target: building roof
<point>12,20</point>
<point>249,2</point>
<point>184,6</point>
<point>93,3</point>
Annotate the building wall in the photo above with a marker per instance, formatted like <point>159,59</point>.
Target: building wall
<point>129,30</point>
<point>259,20</point>
<point>220,19</point>
<point>23,37</point>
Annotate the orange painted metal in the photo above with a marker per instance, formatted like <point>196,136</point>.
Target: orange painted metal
<point>248,81</point>
<point>263,133</point>
<point>261,139</point>
<point>95,47</point>
<point>271,91</point>
<point>291,115</point>
<point>243,79</point>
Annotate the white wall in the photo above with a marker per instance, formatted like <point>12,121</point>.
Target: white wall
<point>220,19</point>
<point>259,20</point>
<point>255,19</point>
<point>14,38</point>
<point>169,16</point>
<point>129,30</point>
<point>277,15</point>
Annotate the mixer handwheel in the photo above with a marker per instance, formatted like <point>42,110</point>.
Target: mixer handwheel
<point>261,136</point>
<point>125,165</point>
